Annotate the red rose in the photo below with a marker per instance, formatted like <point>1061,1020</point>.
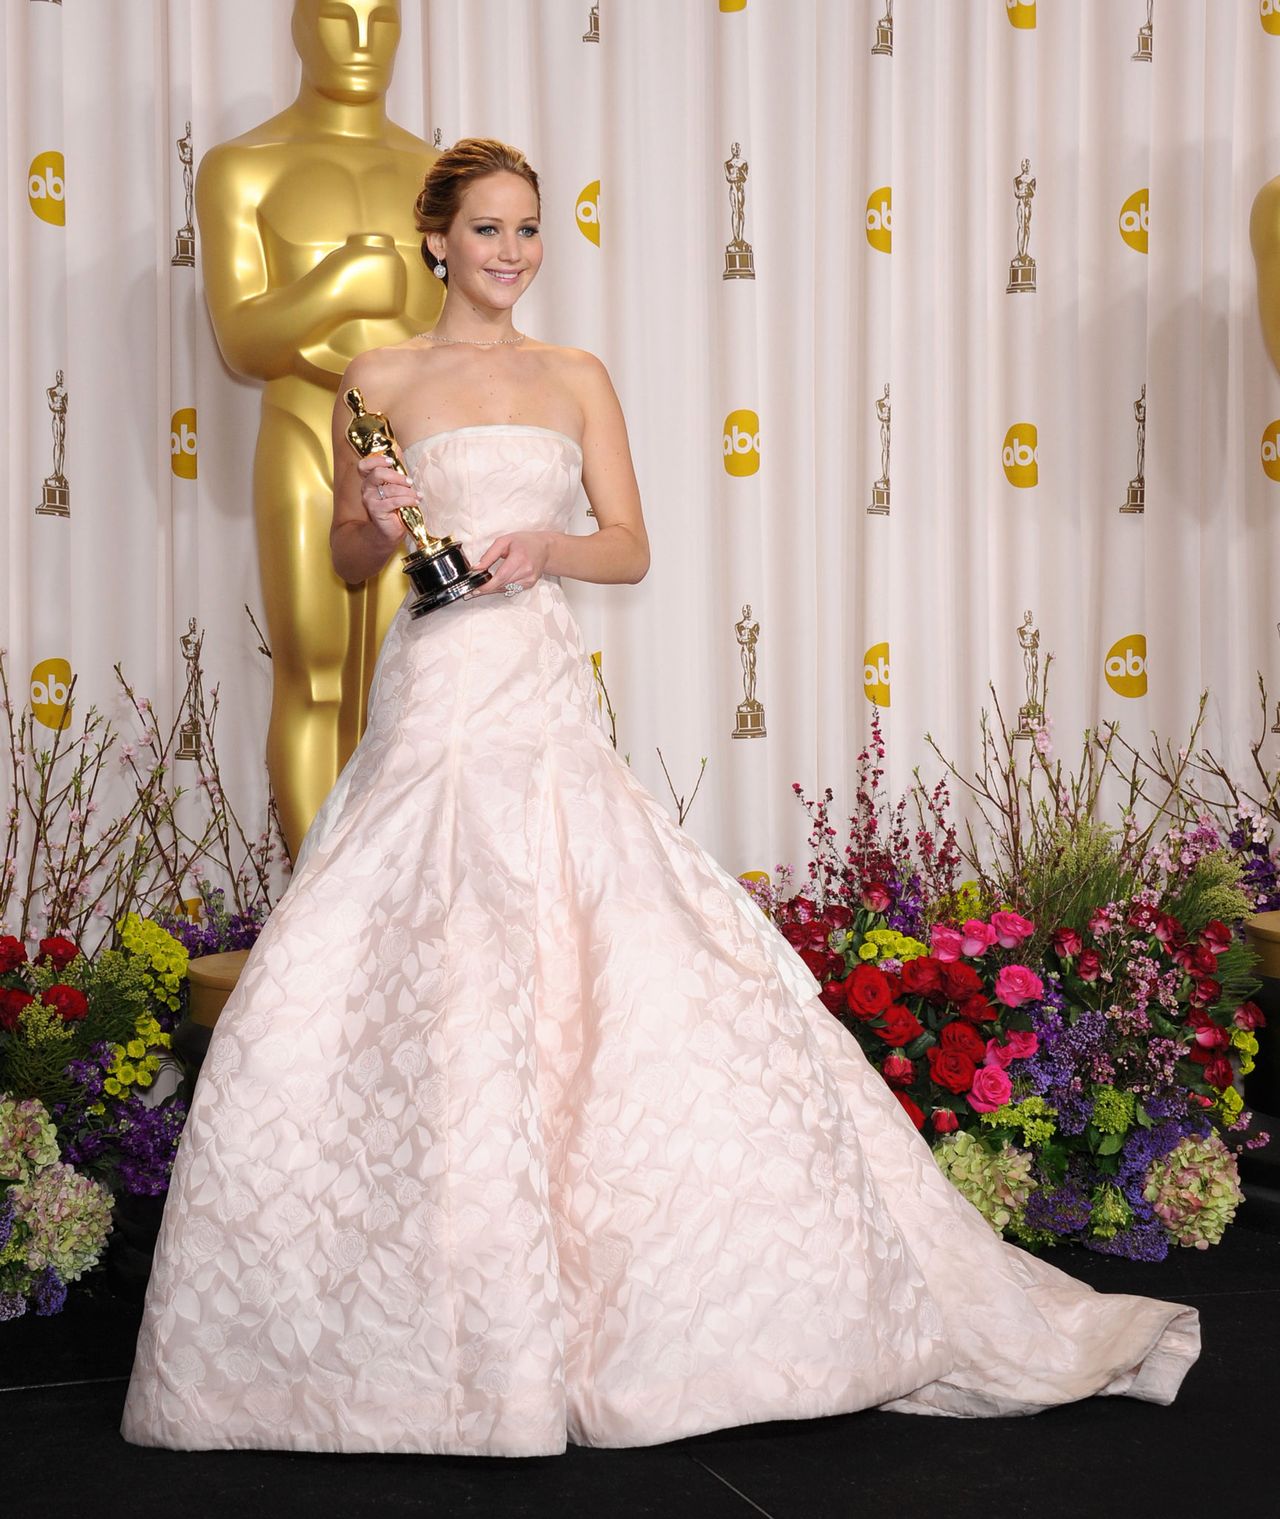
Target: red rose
<point>832,997</point>
<point>960,980</point>
<point>922,977</point>
<point>67,1001</point>
<point>1205,991</point>
<point>13,953</point>
<point>910,1109</point>
<point>898,1071</point>
<point>1168,930</point>
<point>1142,915</point>
<point>11,1004</point>
<point>804,936</point>
<point>964,1038</point>
<point>977,1009</point>
<point>57,951</point>
<point>1066,942</point>
<point>1199,1055</point>
<point>945,1121</point>
<point>868,991</point>
<point>1249,1016</point>
<point>1218,1073</point>
<point>1216,937</point>
<point>876,898</point>
<point>1089,966</point>
<point>1211,1037</point>
<point>824,965</point>
<point>1199,959</point>
<point>950,1068</point>
<point>838,915</point>
<point>900,1026</point>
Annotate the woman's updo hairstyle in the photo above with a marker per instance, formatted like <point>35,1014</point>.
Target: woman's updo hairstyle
<point>469,159</point>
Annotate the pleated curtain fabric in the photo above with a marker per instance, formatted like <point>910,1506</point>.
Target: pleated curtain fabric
<point>935,325</point>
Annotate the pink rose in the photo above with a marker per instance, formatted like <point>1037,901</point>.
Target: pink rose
<point>876,897</point>
<point>1023,1043</point>
<point>997,1054</point>
<point>1210,1037</point>
<point>991,1089</point>
<point>1217,937</point>
<point>1015,984</point>
<point>946,942</point>
<point>976,938</point>
<point>1250,1016</point>
<point>1011,929</point>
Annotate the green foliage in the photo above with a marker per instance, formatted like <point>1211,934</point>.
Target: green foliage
<point>1211,889</point>
<point>1077,867</point>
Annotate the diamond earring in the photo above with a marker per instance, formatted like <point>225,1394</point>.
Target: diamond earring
<point>439,271</point>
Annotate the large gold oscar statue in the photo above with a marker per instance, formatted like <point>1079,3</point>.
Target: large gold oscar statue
<point>310,257</point>
<point>1264,234</point>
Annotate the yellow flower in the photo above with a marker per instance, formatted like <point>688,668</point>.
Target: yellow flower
<point>1231,1103</point>
<point>135,1049</point>
<point>97,1107</point>
<point>126,1073</point>
<point>868,952</point>
<point>144,1078</point>
<point>112,1086</point>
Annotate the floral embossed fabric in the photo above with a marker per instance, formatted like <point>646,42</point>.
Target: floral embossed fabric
<point>524,1124</point>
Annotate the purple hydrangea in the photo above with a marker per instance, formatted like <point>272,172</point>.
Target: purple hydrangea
<point>12,1306</point>
<point>48,1292</point>
<point>6,1218</point>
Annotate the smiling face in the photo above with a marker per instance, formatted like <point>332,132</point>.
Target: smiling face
<point>347,47</point>
<point>493,248</point>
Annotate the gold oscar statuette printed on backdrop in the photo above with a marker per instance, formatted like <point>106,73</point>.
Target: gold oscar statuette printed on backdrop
<point>310,257</point>
<point>1022,267</point>
<point>1143,55</point>
<point>437,569</point>
<point>592,33</point>
<point>884,32</point>
<point>189,731</point>
<point>880,490</point>
<point>1264,235</point>
<point>55,496</point>
<point>184,250</point>
<point>739,260</point>
<point>1030,713</point>
<point>750,723</point>
<point>1136,500</point>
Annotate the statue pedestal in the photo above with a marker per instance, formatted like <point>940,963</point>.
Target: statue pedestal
<point>210,979</point>
<point>750,722</point>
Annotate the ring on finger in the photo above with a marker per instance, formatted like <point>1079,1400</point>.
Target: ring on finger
<point>382,495</point>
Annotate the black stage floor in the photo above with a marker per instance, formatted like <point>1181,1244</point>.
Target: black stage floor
<point>62,1385</point>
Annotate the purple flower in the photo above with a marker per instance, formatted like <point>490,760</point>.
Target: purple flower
<point>6,1218</point>
<point>49,1292</point>
<point>12,1306</point>
<point>1062,1210</point>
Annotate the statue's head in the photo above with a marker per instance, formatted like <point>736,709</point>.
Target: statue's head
<point>347,47</point>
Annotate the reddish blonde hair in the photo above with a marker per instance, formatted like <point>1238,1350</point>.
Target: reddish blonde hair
<point>457,168</point>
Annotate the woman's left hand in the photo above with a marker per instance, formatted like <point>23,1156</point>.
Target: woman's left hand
<point>518,557</point>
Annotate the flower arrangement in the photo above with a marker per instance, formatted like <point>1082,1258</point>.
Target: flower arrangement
<point>54,1221</point>
<point>1067,1028</point>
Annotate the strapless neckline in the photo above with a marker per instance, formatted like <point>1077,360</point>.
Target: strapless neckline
<point>487,427</point>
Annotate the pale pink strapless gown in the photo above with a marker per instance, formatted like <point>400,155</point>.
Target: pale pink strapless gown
<point>524,1123</point>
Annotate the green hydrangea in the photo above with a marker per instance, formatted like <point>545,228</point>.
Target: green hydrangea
<point>997,1183</point>
<point>1111,1212</point>
<point>61,1219</point>
<point>1113,1111</point>
<point>1195,1190</point>
<point>28,1139</point>
<point>1033,1116</point>
<point>162,958</point>
<point>1247,1044</point>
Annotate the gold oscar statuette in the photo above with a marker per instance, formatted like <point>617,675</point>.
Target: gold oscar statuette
<point>437,568</point>
<point>310,257</point>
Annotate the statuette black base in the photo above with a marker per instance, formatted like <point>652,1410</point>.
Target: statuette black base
<point>441,578</point>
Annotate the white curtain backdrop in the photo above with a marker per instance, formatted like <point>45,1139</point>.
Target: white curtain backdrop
<point>881,211</point>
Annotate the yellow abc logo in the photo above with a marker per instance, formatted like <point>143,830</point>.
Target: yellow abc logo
<point>50,687</point>
<point>733,5</point>
<point>1133,221</point>
<point>589,212</point>
<point>756,877</point>
<point>880,219</point>
<point>742,443</point>
<point>1020,455</point>
<point>1271,445</point>
<point>47,188</point>
<point>1269,15</point>
<point>1126,665</point>
<point>875,674</point>
<point>182,443</point>
<point>1021,13</point>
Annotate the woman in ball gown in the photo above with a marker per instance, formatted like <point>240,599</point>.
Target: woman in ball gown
<point>524,1125</point>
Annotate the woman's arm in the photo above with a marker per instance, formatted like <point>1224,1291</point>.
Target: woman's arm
<point>618,551</point>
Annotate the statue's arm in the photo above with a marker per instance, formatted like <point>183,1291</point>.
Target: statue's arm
<point>1264,234</point>
<point>264,331</point>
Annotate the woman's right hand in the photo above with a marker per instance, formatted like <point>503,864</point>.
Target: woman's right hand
<point>383,491</point>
